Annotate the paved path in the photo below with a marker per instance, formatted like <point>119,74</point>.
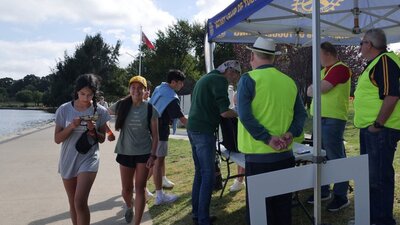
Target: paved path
<point>31,190</point>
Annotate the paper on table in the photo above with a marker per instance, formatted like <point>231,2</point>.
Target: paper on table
<point>301,149</point>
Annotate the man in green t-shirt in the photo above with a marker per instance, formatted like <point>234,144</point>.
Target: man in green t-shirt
<point>209,102</point>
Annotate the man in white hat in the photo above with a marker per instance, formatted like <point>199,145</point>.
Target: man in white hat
<point>271,113</point>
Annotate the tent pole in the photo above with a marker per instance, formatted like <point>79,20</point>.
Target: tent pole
<point>208,54</point>
<point>316,68</point>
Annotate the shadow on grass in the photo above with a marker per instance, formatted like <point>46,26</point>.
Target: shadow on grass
<point>182,210</point>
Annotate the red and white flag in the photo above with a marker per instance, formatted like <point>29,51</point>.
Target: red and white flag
<point>147,42</point>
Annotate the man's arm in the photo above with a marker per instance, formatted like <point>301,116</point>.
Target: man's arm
<point>245,95</point>
<point>299,117</point>
<point>325,87</point>
<point>220,91</point>
<point>338,75</point>
<point>175,112</point>
<point>229,114</point>
<point>388,105</point>
<point>386,76</point>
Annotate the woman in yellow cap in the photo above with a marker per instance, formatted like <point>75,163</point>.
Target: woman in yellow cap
<point>136,147</point>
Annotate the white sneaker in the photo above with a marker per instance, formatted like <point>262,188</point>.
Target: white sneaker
<point>149,194</point>
<point>165,199</point>
<point>236,186</point>
<point>166,183</point>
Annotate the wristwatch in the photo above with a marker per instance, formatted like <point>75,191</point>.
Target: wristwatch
<point>378,125</point>
<point>153,156</point>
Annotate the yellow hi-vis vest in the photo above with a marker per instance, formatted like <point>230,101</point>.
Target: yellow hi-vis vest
<point>367,103</point>
<point>272,106</point>
<point>334,103</point>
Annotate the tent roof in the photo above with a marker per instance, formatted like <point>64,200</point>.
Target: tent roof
<point>289,21</point>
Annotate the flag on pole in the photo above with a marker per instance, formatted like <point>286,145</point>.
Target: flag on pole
<point>147,42</point>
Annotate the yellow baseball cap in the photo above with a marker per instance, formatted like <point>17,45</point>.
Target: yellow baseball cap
<point>138,79</point>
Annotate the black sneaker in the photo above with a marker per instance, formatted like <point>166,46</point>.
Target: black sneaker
<point>212,220</point>
<point>310,200</point>
<point>128,215</point>
<point>337,204</point>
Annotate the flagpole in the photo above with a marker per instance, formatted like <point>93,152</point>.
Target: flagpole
<point>140,51</point>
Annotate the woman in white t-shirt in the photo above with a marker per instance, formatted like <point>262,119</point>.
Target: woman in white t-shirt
<point>78,170</point>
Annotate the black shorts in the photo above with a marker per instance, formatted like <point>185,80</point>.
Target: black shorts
<point>131,160</point>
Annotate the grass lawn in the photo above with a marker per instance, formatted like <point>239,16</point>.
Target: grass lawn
<point>231,208</point>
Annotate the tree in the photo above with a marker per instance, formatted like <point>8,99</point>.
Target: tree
<point>92,56</point>
<point>174,50</point>
<point>3,94</point>
<point>24,96</point>
<point>37,97</point>
<point>6,82</point>
<point>180,46</point>
<point>117,87</point>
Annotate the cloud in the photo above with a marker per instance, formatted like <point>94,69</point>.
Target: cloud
<point>114,19</point>
<point>209,8</point>
<point>111,14</point>
<point>87,30</point>
<point>127,55</point>
<point>117,33</point>
<point>22,58</point>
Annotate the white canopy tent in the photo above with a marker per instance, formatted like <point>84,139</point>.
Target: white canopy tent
<point>299,22</point>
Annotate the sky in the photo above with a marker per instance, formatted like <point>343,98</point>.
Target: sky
<point>35,34</point>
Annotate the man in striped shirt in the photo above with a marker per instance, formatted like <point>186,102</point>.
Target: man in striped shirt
<point>377,114</point>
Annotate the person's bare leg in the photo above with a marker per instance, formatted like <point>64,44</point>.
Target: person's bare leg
<point>84,184</point>
<point>127,175</point>
<point>140,185</point>
<point>150,173</point>
<point>240,170</point>
<point>70,187</point>
<point>157,173</point>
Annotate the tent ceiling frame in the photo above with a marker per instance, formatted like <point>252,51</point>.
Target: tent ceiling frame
<point>394,8</point>
<point>309,16</point>
<point>384,17</point>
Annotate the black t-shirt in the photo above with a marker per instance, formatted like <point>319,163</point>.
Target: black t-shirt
<point>173,111</point>
<point>385,75</point>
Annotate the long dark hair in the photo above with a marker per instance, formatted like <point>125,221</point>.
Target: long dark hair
<point>90,81</point>
<point>122,110</point>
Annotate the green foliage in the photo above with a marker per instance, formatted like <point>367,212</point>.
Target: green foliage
<point>29,82</point>
<point>117,87</point>
<point>37,97</point>
<point>92,56</point>
<point>180,46</point>
<point>6,82</point>
<point>24,96</point>
<point>3,94</point>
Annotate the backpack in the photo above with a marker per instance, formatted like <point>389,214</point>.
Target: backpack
<point>229,133</point>
<point>149,115</point>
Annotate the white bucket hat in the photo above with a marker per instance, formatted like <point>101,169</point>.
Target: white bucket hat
<point>264,45</point>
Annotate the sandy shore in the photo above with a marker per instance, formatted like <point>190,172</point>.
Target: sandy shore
<point>31,190</point>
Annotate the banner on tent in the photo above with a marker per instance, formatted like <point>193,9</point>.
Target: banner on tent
<point>234,13</point>
<point>283,37</point>
<point>305,6</point>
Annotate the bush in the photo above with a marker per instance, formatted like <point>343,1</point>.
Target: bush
<point>24,96</point>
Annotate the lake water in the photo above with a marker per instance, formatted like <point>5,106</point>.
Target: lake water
<point>14,121</point>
